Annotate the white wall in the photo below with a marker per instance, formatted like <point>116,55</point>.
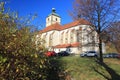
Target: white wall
<point>52,19</point>
<point>57,38</point>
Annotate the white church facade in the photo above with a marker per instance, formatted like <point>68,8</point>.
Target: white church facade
<point>75,37</point>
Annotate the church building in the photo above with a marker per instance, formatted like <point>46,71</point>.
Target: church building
<point>75,37</point>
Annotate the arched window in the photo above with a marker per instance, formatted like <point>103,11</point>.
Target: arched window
<point>66,37</point>
<point>56,19</point>
<point>48,19</point>
<point>61,39</point>
<point>72,35</point>
<point>51,39</point>
<point>44,39</point>
<point>79,34</point>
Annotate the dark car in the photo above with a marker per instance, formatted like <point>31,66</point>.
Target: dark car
<point>89,54</point>
<point>50,53</point>
<point>110,55</point>
<point>118,56</point>
<point>63,53</point>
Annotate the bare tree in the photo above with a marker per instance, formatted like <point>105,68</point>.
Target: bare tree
<point>99,13</point>
<point>114,34</point>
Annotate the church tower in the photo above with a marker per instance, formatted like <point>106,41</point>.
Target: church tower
<point>52,18</point>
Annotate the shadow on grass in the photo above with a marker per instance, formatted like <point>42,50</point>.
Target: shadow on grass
<point>112,73</point>
<point>55,71</point>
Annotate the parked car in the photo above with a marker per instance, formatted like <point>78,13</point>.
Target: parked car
<point>50,53</point>
<point>63,53</point>
<point>119,56</point>
<point>83,54</point>
<point>111,55</point>
<point>89,54</point>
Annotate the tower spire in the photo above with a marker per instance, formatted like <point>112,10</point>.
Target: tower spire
<point>53,10</point>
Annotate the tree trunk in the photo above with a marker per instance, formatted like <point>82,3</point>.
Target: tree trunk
<point>100,50</point>
<point>99,33</point>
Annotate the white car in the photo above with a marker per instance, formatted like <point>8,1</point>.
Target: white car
<point>89,54</point>
<point>83,54</point>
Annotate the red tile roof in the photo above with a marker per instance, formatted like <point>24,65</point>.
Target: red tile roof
<point>59,27</point>
<point>75,23</point>
<point>55,26</point>
<point>76,44</point>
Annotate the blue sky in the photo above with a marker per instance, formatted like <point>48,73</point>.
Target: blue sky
<point>42,8</point>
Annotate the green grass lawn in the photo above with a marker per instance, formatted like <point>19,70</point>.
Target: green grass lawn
<point>88,69</point>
